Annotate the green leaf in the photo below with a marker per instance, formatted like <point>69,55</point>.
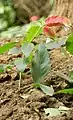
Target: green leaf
<point>66,91</point>
<point>1,68</point>
<point>47,90</point>
<point>42,20</point>
<point>1,8</point>
<point>33,32</point>
<point>3,24</point>
<point>21,64</point>
<point>27,48</point>
<point>69,44</point>
<point>51,44</point>
<point>40,64</point>
<point>14,50</point>
<point>71,74</point>
<point>7,46</point>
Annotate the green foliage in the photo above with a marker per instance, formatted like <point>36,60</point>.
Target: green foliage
<point>21,64</point>
<point>15,31</point>
<point>66,91</point>
<point>40,68</point>
<point>27,49</point>
<point>47,90</point>
<point>1,69</point>
<point>7,15</point>
<point>33,31</point>
<point>37,57</point>
<point>3,24</point>
<point>57,43</point>
<point>40,64</point>
<point>6,2</point>
<point>69,44</point>
<point>14,50</point>
<point>7,46</point>
<point>71,74</point>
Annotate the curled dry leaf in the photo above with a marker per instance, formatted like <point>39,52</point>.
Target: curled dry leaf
<point>49,32</point>
<point>57,21</point>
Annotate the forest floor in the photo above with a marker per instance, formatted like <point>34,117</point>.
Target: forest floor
<point>29,102</point>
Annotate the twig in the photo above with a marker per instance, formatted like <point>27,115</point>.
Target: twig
<point>60,74</point>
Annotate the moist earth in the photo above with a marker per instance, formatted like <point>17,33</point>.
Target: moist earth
<point>29,102</point>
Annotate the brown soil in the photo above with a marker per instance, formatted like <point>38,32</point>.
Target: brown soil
<point>29,102</point>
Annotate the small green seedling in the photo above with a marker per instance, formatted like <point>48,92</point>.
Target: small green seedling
<point>40,67</point>
<point>37,57</point>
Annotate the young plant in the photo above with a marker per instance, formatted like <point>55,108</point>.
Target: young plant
<point>24,61</point>
<point>36,56</point>
<point>39,62</point>
<point>40,67</point>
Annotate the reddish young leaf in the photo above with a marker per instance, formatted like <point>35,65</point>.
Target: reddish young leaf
<point>57,20</point>
<point>34,18</point>
<point>49,32</point>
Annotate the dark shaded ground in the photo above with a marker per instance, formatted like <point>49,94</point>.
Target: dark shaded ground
<point>29,103</point>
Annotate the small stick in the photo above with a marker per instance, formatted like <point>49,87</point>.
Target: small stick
<point>60,74</point>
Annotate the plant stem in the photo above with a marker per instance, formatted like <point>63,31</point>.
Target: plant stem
<point>64,51</point>
<point>20,77</point>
